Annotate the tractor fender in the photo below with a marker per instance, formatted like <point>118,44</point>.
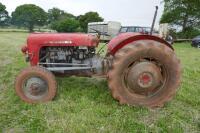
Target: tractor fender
<point>125,38</point>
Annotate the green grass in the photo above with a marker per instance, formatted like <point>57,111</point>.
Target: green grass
<point>85,104</point>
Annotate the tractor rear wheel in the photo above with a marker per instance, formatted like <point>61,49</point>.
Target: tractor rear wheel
<point>144,73</point>
<point>35,85</point>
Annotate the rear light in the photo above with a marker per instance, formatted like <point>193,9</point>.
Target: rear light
<point>24,49</point>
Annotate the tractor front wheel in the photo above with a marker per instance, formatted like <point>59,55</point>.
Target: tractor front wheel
<point>35,85</point>
<point>145,73</point>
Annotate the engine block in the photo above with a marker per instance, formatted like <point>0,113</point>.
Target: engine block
<point>66,54</point>
<point>65,59</point>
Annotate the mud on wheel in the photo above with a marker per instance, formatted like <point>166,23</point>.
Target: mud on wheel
<point>145,73</point>
<point>35,85</point>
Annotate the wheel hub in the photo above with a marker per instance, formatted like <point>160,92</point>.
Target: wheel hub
<point>145,80</point>
<point>35,88</point>
<point>144,76</point>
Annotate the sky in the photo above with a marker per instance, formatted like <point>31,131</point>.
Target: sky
<point>128,12</point>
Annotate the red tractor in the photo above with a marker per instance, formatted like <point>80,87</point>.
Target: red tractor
<point>141,69</point>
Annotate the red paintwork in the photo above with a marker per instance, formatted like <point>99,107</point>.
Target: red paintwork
<point>125,38</point>
<point>38,40</point>
<point>24,49</point>
<point>146,79</point>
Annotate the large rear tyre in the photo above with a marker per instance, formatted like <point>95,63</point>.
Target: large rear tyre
<point>35,85</point>
<point>145,73</point>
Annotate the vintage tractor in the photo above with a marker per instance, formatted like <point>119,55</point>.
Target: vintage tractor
<point>141,69</point>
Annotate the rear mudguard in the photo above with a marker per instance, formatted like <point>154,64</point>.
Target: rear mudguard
<point>126,38</point>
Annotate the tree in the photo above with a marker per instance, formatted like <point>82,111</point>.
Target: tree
<point>29,15</point>
<point>66,25</point>
<point>56,14</point>
<point>87,18</point>
<point>4,17</point>
<point>183,13</point>
<point>188,33</point>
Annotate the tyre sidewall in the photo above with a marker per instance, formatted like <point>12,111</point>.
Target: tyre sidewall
<point>38,72</point>
<point>154,50</point>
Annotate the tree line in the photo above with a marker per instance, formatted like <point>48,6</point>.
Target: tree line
<point>30,15</point>
<point>183,15</point>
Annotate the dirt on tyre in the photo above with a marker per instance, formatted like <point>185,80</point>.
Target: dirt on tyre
<point>145,73</point>
<point>35,85</point>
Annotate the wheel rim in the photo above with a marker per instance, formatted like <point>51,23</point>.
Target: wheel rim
<point>35,88</point>
<point>145,78</point>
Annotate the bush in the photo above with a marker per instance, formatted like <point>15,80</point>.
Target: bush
<point>189,33</point>
<point>66,25</point>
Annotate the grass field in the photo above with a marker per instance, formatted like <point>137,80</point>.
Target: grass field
<point>85,105</point>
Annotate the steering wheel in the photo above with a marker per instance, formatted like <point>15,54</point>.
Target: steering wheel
<point>100,33</point>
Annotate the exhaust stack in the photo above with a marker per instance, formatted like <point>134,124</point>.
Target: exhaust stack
<point>154,20</point>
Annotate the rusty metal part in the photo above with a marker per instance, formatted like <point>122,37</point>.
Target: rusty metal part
<point>143,76</point>
<point>35,88</point>
<point>154,20</point>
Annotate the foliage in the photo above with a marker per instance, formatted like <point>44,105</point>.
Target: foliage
<point>188,33</point>
<point>62,21</point>
<point>66,25</point>
<point>55,14</point>
<point>87,18</point>
<point>184,13</point>
<point>86,105</point>
<point>29,15</point>
<point>4,17</point>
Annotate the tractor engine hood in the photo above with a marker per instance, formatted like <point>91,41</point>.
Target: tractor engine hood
<point>62,39</point>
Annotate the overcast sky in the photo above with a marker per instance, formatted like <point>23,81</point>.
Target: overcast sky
<point>128,12</point>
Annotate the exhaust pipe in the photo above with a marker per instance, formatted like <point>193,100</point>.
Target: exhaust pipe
<point>154,20</point>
